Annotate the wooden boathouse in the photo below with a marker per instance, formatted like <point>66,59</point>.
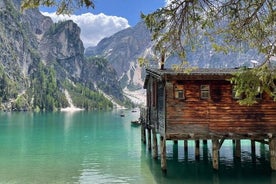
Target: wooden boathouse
<point>201,105</point>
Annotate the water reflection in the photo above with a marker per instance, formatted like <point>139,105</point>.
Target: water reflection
<point>183,167</point>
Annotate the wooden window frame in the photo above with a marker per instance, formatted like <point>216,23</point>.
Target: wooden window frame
<point>205,89</point>
<point>179,89</point>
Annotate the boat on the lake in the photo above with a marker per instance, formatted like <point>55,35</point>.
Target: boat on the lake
<point>135,123</point>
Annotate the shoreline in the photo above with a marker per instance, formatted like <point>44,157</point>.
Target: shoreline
<point>71,109</point>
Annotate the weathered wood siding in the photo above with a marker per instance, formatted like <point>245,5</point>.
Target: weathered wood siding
<point>152,103</point>
<point>160,109</point>
<point>220,114</point>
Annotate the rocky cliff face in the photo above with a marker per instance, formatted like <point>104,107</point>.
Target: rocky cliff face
<point>29,39</point>
<point>122,50</point>
<point>61,45</point>
<point>18,46</point>
<point>98,74</point>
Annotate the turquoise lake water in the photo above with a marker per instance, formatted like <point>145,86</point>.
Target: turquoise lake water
<point>102,147</point>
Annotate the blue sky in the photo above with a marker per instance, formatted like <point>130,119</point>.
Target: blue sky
<point>129,9</point>
<point>108,17</point>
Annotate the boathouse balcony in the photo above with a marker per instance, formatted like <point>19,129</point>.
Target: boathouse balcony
<point>201,105</point>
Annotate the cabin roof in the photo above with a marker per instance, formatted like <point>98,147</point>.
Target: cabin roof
<point>193,74</point>
<point>197,71</point>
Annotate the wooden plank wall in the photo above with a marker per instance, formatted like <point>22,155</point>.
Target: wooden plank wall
<point>152,109</point>
<point>221,113</point>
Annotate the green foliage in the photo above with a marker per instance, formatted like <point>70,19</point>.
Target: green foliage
<point>143,62</point>
<point>63,6</point>
<point>44,89</point>
<point>249,83</point>
<point>21,103</point>
<point>7,87</point>
<point>84,97</point>
<point>184,22</point>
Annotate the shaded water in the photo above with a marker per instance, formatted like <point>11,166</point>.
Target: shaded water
<point>102,147</point>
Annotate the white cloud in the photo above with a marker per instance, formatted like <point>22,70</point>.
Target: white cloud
<point>93,27</point>
<point>167,2</point>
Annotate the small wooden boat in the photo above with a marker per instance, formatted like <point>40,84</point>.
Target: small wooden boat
<point>135,123</point>
<point>122,115</point>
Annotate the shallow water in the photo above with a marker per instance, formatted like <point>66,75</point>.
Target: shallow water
<point>102,147</point>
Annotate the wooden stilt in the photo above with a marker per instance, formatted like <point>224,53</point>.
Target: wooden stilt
<point>185,146</point>
<point>175,142</point>
<point>238,148</point>
<point>205,152</point>
<point>197,149</point>
<point>272,152</point>
<point>163,153</point>
<point>149,139</point>
<point>262,149</point>
<point>143,133</point>
<point>253,150</point>
<point>154,144</point>
<point>253,147</point>
<point>175,151</point>
<point>204,141</point>
<point>215,151</point>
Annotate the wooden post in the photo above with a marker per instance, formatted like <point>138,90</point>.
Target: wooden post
<point>253,150</point>
<point>175,150</point>
<point>154,144</point>
<point>185,146</point>
<point>175,141</point>
<point>149,139</point>
<point>143,133</point>
<point>253,147</point>
<point>197,149</point>
<point>163,153</point>
<point>204,141</point>
<point>272,152</point>
<point>205,152</point>
<point>215,151</point>
<point>238,148</point>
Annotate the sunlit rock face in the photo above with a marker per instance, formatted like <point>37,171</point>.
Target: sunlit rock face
<point>28,38</point>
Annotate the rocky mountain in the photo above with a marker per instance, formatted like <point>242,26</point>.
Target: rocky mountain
<point>40,60</point>
<point>123,49</point>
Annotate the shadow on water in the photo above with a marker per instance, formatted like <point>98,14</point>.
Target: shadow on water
<point>183,167</point>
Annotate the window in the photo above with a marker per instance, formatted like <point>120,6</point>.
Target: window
<point>204,91</point>
<point>179,92</point>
